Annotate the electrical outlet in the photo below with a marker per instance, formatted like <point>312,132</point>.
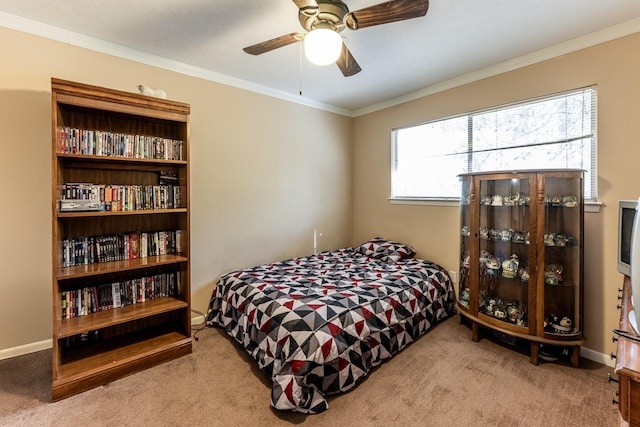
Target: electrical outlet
<point>316,235</point>
<point>454,276</point>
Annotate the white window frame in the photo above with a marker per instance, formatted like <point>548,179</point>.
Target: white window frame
<point>439,200</point>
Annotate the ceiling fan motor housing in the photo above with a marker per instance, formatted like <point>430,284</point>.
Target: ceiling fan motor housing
<point>328,14</point>
<point>334,15</point>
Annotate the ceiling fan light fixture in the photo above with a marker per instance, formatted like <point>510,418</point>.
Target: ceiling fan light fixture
<point>323,46</point>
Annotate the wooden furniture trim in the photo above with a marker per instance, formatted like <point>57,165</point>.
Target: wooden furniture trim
<point>89,96</point>
<point>514,333</point>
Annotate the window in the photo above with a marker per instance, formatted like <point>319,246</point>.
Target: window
<point>557,131</point>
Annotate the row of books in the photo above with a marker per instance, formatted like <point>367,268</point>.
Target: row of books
<point>120,197</point>
<point>107,296</point>
<point>103,143</point>
<point>119,247</point>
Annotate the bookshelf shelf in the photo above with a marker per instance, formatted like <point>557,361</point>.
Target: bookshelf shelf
<point>80,271</point>
<point>86,158</point>
<point>122,213</point>
<point>123,354</point>
<point>115,316</point>
<point>146,142</point>
<point>116,360</point>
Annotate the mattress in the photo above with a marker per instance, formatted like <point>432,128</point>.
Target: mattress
<point>318,324</point>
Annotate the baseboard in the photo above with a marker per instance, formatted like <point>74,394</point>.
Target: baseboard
<point>595,356</point>
<point>8,353</point>
<point>25,349</point>
<point>20,350</point>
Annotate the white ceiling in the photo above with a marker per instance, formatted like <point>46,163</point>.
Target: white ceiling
<point>455,40</point>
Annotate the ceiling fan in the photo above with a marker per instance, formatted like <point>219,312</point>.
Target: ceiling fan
<point>333,15</point>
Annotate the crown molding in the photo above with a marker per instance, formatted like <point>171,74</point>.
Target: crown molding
<point>75,39</point>
<point>54,33</point>
<point>598,37</point>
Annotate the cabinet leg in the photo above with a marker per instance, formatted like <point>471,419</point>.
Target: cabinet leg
<point>474,332</point>
<point>575,356</point>
<point>534,352</point>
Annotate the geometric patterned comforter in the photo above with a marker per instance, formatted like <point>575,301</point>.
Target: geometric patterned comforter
<point>319,324</point>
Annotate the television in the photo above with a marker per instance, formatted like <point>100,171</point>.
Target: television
<point>629,254</point>
<point>626,217</point>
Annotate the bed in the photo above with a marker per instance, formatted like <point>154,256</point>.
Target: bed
<point>319,324</point>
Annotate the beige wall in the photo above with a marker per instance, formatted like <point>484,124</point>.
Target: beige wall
<point>265,173</point>
<point>615,68</point>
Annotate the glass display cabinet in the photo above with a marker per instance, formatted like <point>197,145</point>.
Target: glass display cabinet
<point>521,256</point>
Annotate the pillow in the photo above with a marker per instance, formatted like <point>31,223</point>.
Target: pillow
<point>386,250</point>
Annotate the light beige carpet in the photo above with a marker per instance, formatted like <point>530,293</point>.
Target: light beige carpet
<point>444,379</point>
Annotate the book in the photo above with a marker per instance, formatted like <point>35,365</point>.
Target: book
<point>134,245</point>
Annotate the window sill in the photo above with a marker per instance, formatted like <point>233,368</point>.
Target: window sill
<point>589,207</point>
<point>593,207</point>
<point>425,202</point>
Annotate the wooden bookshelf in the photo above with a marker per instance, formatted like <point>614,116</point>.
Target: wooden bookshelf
<point>125,140</point>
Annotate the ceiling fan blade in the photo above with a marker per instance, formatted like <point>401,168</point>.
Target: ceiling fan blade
<point>384,13</point>
<point>272,44</point>
<point>347,63</point>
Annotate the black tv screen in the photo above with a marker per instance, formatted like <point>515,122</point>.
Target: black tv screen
<point>627,213</point>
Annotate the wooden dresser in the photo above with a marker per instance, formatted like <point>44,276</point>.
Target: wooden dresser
<point>628,365</point>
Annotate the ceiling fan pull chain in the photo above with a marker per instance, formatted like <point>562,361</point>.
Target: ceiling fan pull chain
<point>345,45</point>
<point>300,68</point>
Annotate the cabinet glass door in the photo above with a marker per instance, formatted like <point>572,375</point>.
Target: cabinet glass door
<point>562,253</point>
<point>465,246</point>
<point>504,248</point>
